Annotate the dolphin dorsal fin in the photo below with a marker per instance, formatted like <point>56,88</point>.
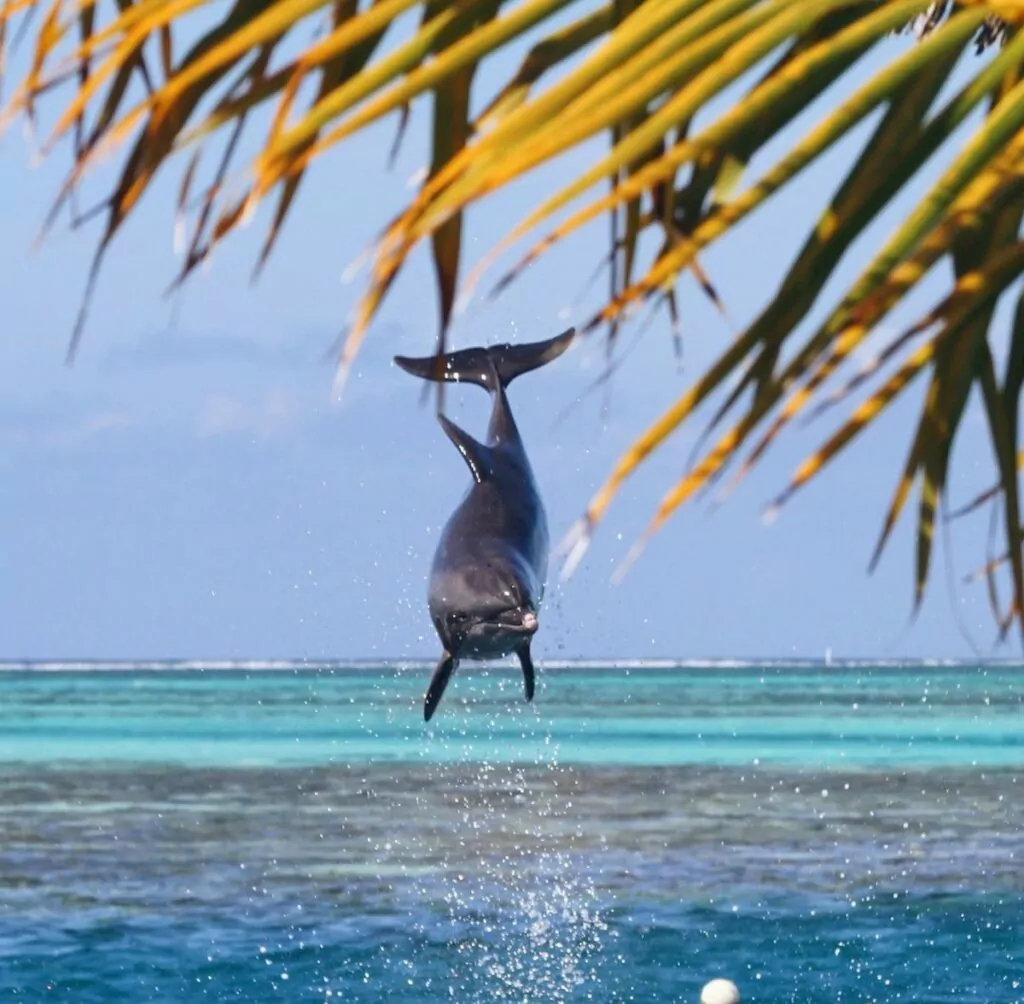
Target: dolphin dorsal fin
<point>476,455</point>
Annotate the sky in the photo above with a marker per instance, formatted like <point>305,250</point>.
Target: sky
<point>189,489</point>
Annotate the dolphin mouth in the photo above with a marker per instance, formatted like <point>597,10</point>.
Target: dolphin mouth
<point>518,620</point>
<point>515,621</point>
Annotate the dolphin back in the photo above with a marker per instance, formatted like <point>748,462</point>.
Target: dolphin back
<point>491,367</point>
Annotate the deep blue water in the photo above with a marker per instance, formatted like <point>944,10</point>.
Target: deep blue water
<point>850,833</point>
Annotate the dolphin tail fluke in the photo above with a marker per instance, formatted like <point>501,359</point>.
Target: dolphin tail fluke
<point>438,682</point>
<point>526,661</point>
<point>485,366</point>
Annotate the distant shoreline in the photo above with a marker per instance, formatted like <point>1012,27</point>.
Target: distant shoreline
<point>401,664</point>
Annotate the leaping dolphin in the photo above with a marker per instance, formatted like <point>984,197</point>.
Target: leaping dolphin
<point>487,580</point>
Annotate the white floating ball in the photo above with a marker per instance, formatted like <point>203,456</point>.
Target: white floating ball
<point>720,992</point>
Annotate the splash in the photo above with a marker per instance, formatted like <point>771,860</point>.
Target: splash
<point>524,916</point>
<point>508,891</point>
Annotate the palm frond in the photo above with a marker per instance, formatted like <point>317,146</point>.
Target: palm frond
<point>649,75</point>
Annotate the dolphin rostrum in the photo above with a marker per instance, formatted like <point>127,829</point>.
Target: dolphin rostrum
<point>487,580</point>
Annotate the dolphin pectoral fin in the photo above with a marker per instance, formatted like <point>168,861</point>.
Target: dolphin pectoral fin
<point>442,674</point>
<point>526,661</point>
<point>476,455</point>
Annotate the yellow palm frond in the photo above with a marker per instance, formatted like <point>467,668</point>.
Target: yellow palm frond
<point>649,75</point>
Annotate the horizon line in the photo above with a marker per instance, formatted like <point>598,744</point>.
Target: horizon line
<point>397,663</point>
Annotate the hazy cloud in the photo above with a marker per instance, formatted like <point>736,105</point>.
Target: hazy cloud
<point>60,430</point>
<point>308,351</point>
<point>274,414</point>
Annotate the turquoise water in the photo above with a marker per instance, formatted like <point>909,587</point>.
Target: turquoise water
<point>850,833</point>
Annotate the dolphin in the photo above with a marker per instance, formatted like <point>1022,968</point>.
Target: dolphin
<point>487,579</point>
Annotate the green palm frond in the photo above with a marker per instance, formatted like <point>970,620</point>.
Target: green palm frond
<point>647,74</point>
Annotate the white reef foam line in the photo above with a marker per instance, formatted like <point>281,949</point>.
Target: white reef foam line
<point>403,664</point>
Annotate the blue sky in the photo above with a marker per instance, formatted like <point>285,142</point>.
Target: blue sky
<point>188,488</point>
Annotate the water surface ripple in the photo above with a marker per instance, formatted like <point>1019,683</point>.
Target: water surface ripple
<point>842,834</point>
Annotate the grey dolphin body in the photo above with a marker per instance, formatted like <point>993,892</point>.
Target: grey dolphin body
<point>487,580</point>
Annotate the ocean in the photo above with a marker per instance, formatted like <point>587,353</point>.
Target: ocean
<point>295,832</point>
